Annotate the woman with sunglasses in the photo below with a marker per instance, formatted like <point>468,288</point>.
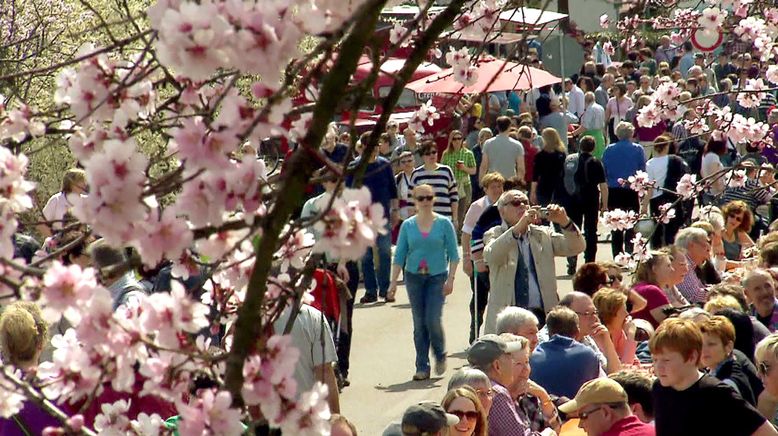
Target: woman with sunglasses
<point>462,161</point>
<point>464,403</point>
<point>427,250</point>
<point>738,220</point>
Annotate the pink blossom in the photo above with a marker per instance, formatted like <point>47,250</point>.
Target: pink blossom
<point>687,186</point>
<point>640,182</point>
<point>146,425</point>
<point>396,34</point>
<point>458,57</point>
<point>210,413</point>
<point>666,213</point>
<point>167,314</point>
<point>311,414</point>
<point>113,419</point>
<point>295,250</point>
<point>11,399</point>
<point>736,178</point>
<point>17,124</point>
<point>625,260</point>
<point>640,251</point>
<point>65,289</point>
<point>427,113</point>
<point>467,75</point>
<point>618,219</point>
<point>14,188</point>
<point>164,236</point>
<point>712,19</point>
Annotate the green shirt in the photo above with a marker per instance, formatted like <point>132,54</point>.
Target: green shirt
<point>450,158</point>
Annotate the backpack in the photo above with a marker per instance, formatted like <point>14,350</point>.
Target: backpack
<point>570,169</point>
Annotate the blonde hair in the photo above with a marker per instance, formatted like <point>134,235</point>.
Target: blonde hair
<point>551,138</point>
<point>721,302</point>
<point>608,301</point>
<point>72,177</point>
<point>22,332</point>
<point>481,423</point>
<point>767,347</point>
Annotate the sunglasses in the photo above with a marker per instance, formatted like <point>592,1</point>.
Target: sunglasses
<point>518,203</point>
<point>424,197</point>
<point>430,153</point>
<point>456,138</point>
<point>471,415</point>
<point>583,416</point>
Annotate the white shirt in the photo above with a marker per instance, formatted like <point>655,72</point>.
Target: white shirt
<point>307,336</point>
<point>593,117</point>
<point>474,212</point>
<point>656,167</point>
<point>575,100</point>
<point>56,208</point>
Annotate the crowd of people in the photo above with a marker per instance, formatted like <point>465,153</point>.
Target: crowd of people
<point>688,346</point>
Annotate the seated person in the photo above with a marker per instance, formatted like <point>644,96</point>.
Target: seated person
<point>651,278</point>
<point>603,409</point>
<point>681,391</point>
<point>637,385</point>
<point>562,354</point>
<point>718,344</point>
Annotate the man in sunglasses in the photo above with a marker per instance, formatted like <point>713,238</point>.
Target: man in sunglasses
<point>520,255</point>
<point>602,409</point>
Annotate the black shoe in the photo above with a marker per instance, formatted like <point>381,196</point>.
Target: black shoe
<point>570,270</point>
<point>368,299</point>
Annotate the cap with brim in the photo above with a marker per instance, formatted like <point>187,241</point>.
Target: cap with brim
<point>426,417</point>
<point>597,391</point>
<point>489,348</point>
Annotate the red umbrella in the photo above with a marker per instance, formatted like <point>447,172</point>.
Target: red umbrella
<point>493,75</point>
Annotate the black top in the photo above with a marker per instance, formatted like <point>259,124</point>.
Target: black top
<point>547,172</point>
<point>731,369</point>
<point>708,407</point>
<point>590,174</point>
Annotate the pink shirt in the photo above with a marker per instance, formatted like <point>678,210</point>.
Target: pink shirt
<point>619,110</point>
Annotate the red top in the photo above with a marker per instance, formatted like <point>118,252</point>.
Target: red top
<point>630,426</point>
<point>655,297</point>
<point>529,160</point>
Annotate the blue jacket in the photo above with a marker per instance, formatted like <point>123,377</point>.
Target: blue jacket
<point>621,160</point>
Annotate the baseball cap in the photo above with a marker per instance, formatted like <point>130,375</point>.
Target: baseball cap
<point>489,348</point>
<point>597,391</point>
<point>426,417</point>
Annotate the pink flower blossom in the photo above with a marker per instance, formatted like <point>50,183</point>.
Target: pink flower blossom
<point>17,124</point>
<point>666,213</point>
<point>712,19</point>
<point>618,219</point>
<point>640,182</point>
<point>210,413</point>
<point>66,288</point>
<point>427,113</point>
<point>350,226</point>
<point>113,419</point>
<point>164,236</point>
<point>687,186</point>
<point>736,178</point>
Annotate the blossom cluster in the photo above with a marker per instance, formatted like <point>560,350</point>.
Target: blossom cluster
<point>464,72</point>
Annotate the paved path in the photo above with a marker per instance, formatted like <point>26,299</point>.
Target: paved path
<point>382,354</point>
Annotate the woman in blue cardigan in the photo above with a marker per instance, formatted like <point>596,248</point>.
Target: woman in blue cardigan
<point>427,251</point>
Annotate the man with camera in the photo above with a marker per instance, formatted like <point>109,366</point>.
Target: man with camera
<point>520,255</point>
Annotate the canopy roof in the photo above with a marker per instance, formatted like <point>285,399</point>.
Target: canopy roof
<point>531,16</point>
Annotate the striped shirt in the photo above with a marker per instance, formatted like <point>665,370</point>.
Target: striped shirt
<point>753,194</point>
<point>692,287</point>
<point>443,185</point>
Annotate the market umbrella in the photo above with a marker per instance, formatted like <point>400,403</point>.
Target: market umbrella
<point>507,76</point>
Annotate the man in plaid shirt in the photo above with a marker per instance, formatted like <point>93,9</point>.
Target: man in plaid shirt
<point>697,245</point>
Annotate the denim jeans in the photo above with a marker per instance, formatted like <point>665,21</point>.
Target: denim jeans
<point>375,288</point>
<point>425,293</point>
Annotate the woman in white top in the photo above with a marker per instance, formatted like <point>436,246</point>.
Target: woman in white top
<point>73,182</point>
<point>617,108</point>
<point>711,164</point>
<point>658,168</point>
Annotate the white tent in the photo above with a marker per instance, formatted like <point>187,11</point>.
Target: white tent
<point>530,16</point>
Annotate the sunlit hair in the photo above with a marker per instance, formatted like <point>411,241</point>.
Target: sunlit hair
<point>645,270</point>
<point>720,327</point>
<point>552,141</point>
<point>608,301</point>
<point>23,332</point>
<point>680,335</point>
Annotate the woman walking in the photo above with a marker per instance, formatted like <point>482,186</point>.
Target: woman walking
<point>547,169</point>
<point>617,108</point>
<point>427,251</point>
<point>462,161</point>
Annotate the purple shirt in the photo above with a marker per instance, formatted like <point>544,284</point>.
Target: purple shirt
<point>34,418</point>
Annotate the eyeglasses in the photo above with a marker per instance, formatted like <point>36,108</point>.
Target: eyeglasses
<point>471,415</point>
<point>424,197</point>
<point>487,393</point>
<point>592,313</point>
<point>518,203</point>
<point>583,416</point>
<point>764,368</point>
